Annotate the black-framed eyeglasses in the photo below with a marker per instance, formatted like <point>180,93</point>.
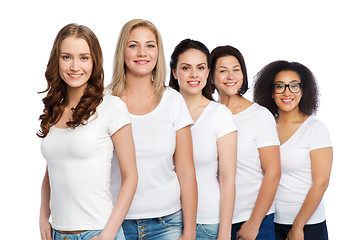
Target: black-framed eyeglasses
<point>279,88</point>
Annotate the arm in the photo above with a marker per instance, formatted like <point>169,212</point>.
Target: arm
<point>124,145</point>
<point>185,170</point>
<point>321,163</point>
<point>227,152</point>
<point>44,224</point>
<point>270,163</point>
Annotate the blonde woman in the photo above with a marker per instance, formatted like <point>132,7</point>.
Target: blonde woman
<point>166,197</point>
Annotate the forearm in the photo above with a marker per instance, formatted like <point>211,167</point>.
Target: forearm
<point>121,208</point>
<point>188,191</point>
<point>227,189</point>
<point>309,206</point>
<point>45,198</point>
<point>265,197</point>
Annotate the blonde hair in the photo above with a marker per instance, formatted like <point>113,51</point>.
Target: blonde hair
<point>118,84</point>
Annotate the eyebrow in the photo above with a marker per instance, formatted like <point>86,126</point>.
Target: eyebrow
<point>290,82</point>
<point>229,67</point>
<point>71,53</point>
<point>149,41</point>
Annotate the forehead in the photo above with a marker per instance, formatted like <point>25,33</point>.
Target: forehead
<point>193,55</point>
<point>227,61</point>
<point>75,45</point>
<point>142,33</point>
<point>287,76</point>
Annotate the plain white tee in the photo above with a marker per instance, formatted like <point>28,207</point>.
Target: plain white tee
<point>79,166</point>
<point>158,191</point>
<point>256,129</point>
<point>215,121</point>
<point>296,179</point>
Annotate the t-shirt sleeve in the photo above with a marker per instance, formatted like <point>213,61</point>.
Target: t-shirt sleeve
<point>118,115</point>
<point>182,117</point>
<point>225,122</point>
<point>320,136</point>
<point>267,131</point>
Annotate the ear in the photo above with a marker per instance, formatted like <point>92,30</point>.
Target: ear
<point>174,74</point>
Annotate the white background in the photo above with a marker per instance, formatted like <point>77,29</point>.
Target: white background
<point>315,33</point>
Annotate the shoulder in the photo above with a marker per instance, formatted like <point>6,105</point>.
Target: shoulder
<point>112,102</point>
<point>315,124</point>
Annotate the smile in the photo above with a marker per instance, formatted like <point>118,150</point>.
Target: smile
<point>141,61</point>
<point>287,100</point>
<point>75,75</point>
<point>230,84</point>
<point>194,83</point>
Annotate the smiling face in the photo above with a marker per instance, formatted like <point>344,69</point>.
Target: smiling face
<point>228,76</point>
<point>141,52</point>
<point>191,71</point>
<point>287,101</point>
<point>75,62</point>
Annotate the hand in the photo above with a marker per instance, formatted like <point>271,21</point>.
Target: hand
<point>183,237</point>
<point>295,234</point>
<point>45,230</point>
<point>247,231</point>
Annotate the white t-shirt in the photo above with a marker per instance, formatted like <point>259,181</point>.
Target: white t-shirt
<point>79,166</point>
<point>256,129</point>
<point>215,121</point>
<point>296,179</point>
<point>158,191</point>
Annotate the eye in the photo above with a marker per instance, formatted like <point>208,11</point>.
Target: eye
<point>65,57</point>
<point>151,46</point>
<point>132,46</point>
<point>279,86</point>
<point>85,58</point>
<point>294,85</point>
<point>185,68</point>
<point>222,71</point>
<point>201,68</point>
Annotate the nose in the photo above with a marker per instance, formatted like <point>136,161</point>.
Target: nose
<point>287,91</point>
<point>141,52</point>
<point>74,65</point>
<point>230,75</point>
<point>194,73</point>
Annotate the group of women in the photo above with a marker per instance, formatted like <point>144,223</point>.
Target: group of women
<point>142,160</point>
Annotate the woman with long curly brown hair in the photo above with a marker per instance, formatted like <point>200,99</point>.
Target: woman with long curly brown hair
<point>80,128</point>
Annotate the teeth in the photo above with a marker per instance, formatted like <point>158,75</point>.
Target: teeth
<point>75,75</point>
<point>193,82</point>
<point>287,100</point>
<point>230,84</point>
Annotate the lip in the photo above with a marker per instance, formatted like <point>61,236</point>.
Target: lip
<point>193,83</point>
<point>287,100</point>
<point>141,61</point>
<point>230,84</point>
<point>75,76</point>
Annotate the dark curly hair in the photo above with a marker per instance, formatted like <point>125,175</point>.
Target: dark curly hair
<point>56,98</point>
<point>182,47</point>
<point>264,81</point>
<point>224,51</point>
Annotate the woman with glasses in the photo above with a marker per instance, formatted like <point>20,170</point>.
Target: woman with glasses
<point>289,91</point>
<point>258,163</point>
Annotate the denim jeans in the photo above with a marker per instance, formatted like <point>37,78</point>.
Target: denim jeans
<point>311,231</point>
<point>266,231</point>
<point>87,235</point>
<point>169,227</point>
<point>206,231</point>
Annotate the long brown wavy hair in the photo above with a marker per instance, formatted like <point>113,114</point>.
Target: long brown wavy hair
<point>56,98</point>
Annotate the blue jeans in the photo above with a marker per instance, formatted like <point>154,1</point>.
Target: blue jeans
<point>163,228</point>
<point>311,231</point>
<point>266,231</point>
<point>87,235</point>
<point>206,231</point>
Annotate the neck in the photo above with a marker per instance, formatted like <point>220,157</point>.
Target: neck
<point>74,95</point>
<point>291,116</point>
<point>141,85</point>
<point>193,100</point>
<point>229,101</point>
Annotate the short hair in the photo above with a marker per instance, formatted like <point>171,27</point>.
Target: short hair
<point>56,98</point>
<point>264,80</point>
<point>182,47</point>
<point>224,51</point>
<point>118,83</point>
